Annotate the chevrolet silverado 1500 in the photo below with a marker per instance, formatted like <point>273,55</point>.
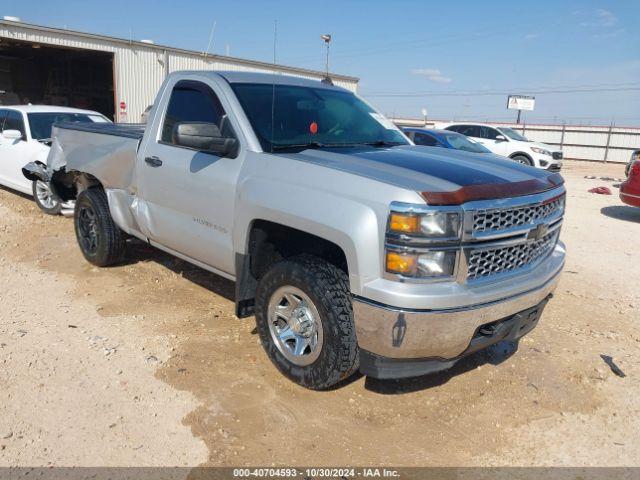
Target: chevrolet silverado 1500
<point>353,247</point>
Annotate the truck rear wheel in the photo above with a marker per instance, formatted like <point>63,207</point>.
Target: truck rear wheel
<point>305,321</point>
<point>101,241</point>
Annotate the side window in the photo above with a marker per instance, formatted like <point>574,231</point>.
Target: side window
<point>468,130</point>
<point>409,133</point>
<point>191,102</point>
<point>14,121</point>
<point>473,131</point>
<point>3,114</point>
<point>490,133</point>
<point>424,139</point>
<point>454,128</point>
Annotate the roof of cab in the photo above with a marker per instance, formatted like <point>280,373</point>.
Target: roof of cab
<point>267,78</point>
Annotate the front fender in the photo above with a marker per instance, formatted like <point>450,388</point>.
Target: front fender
<point>345,221</point>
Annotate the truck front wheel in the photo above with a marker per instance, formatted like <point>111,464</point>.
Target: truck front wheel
<point>305,321</point>
<point>101,241</point>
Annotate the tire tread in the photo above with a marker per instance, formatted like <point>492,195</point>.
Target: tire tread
<point>332,285</point>
<point>112,251</point>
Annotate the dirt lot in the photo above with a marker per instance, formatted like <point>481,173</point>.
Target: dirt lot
<point>145,364</point>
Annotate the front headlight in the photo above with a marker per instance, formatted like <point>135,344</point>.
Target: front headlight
<point>430,264</point>
<point>423,242</point>
<point>541,151</point>
<point>431,225</point>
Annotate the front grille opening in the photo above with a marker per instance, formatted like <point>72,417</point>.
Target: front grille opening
<point>503,219</point>
<point>485,263</point>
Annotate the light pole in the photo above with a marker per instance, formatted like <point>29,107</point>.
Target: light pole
<point>327,41</point>
<point>424,116</point>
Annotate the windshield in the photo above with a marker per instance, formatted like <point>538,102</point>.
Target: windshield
<point>306,117</point>
<point>460,142</point>
<point>513,135</point>
<point>40,123</point>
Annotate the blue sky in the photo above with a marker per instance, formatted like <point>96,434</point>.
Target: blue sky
<point>457,59</point>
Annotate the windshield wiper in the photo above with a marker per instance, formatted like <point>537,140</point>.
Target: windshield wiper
<point>45,140</point>
<point>286,146</point>
<point>383,143</point>
<point>315,145</point>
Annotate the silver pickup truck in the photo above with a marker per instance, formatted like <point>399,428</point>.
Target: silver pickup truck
<point>353,247</point>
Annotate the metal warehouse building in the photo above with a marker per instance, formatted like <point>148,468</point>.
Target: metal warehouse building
<point>114,76</point>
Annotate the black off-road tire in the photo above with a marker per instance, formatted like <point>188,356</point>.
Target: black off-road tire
<point>109,244</point>
<point>55,209</point>
<point>328,288</point>
<point>522,159</point>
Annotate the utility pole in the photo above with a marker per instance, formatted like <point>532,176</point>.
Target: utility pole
<point>606,148</point>
<point>327,41</point>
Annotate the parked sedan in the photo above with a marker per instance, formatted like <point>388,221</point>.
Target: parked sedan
<point>630,189</point>
<point>509,143</point>
<point>25,137</point>
<point>443,138</point>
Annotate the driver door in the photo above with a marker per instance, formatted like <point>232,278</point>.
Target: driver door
<point>188,195</point>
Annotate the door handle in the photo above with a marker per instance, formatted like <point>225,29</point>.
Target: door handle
<point>153,161</point>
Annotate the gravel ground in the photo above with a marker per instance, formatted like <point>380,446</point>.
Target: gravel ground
<point>145,364</point>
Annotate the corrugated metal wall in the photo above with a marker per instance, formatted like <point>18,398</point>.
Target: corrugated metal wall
<point>613,144</point>
<point>140,69</point>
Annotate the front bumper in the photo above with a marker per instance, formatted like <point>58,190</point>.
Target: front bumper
<point>445,333</point>
<point>511,328</point>
<point>629,194</point>
<point>548,164</point>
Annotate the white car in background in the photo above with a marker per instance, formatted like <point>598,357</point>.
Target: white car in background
<point>509,143</point>
<point>25,132</point>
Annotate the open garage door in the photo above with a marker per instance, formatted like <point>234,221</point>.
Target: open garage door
<point>43,74</point>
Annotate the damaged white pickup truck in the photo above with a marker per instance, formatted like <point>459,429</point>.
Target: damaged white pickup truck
<point>352,247</point>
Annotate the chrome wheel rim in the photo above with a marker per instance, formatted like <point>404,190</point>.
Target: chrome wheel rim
<point>295,325</point>
<point>45,195</point>
<point>522,161</point>
<point>88,230</point>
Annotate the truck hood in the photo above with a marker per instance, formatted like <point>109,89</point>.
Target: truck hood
<point>441,176</point>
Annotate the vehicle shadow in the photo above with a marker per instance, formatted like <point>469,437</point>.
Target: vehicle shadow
<point>493,355</point>
<point>622,212</point>
<point>15,192</point>
<point>138,251</point>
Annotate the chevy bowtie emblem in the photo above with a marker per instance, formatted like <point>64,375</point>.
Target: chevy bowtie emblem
<point>539,232</point>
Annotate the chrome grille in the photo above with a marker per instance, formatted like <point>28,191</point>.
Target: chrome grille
<point>484,263</point>
<point>505,218</point>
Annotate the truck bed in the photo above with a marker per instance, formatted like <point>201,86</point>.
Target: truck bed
<point>106,151</point>
<point>128,130</point>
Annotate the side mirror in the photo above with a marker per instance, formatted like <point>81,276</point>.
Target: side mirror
<point>12,134</point>
<point>501,138</point>
<point>203,136</point>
